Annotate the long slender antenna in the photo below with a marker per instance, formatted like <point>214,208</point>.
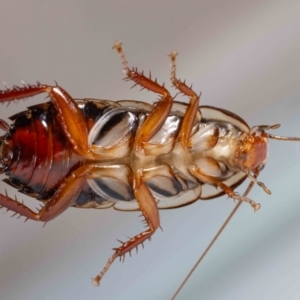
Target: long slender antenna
<point>213,241</point>
<point>283,138</point>
<point>275,137</point>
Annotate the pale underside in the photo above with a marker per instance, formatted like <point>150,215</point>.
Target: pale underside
<point>165,165</point>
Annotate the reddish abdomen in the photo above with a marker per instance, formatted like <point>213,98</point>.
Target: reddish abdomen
<point>41,156</point>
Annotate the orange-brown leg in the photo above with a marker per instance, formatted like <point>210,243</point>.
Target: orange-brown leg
<point>196,172</point>
<point>4,126</point>
<point>159,114</point>
<point>149,209</point>
<point>61,200</point>
<point>70,116</point>
<point>190,114</point>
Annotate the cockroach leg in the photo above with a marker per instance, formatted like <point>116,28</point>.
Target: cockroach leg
<point>197,172</point>
<point>4,126</point>
<point>71,118</point>
<point>190,114</point>
<point>259,183</point>
<point>160,112</point>
<point>60,201</point>
<point>149,209</point>
<point>68,113</point>
<point>229,191</point>
<point>268,127</point>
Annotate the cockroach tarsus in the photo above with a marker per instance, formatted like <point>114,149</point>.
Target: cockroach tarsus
<point>90,153</point>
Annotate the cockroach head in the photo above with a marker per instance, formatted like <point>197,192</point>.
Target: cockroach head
<point>252,150</point>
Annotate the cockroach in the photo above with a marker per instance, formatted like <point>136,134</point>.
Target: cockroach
<point>129,155</point>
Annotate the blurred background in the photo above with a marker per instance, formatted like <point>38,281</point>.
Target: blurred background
<point>244,57</point>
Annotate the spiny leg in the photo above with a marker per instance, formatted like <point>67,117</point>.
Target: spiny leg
<point>68,113</point>
<point>59,202</point>
<point>191,112</point>
<point>230,192</point>
<point>259,183</point>
<point>199,174</point>
<point>148,206</point>
<point>4,126</point>
<point>160,112</point>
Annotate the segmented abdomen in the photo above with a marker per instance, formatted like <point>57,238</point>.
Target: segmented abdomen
<point>40,156</point>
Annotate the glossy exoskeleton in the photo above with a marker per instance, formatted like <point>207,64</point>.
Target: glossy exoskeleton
<point>126,154</point>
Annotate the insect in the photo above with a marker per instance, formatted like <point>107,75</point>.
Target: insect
<point>129,155</point>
